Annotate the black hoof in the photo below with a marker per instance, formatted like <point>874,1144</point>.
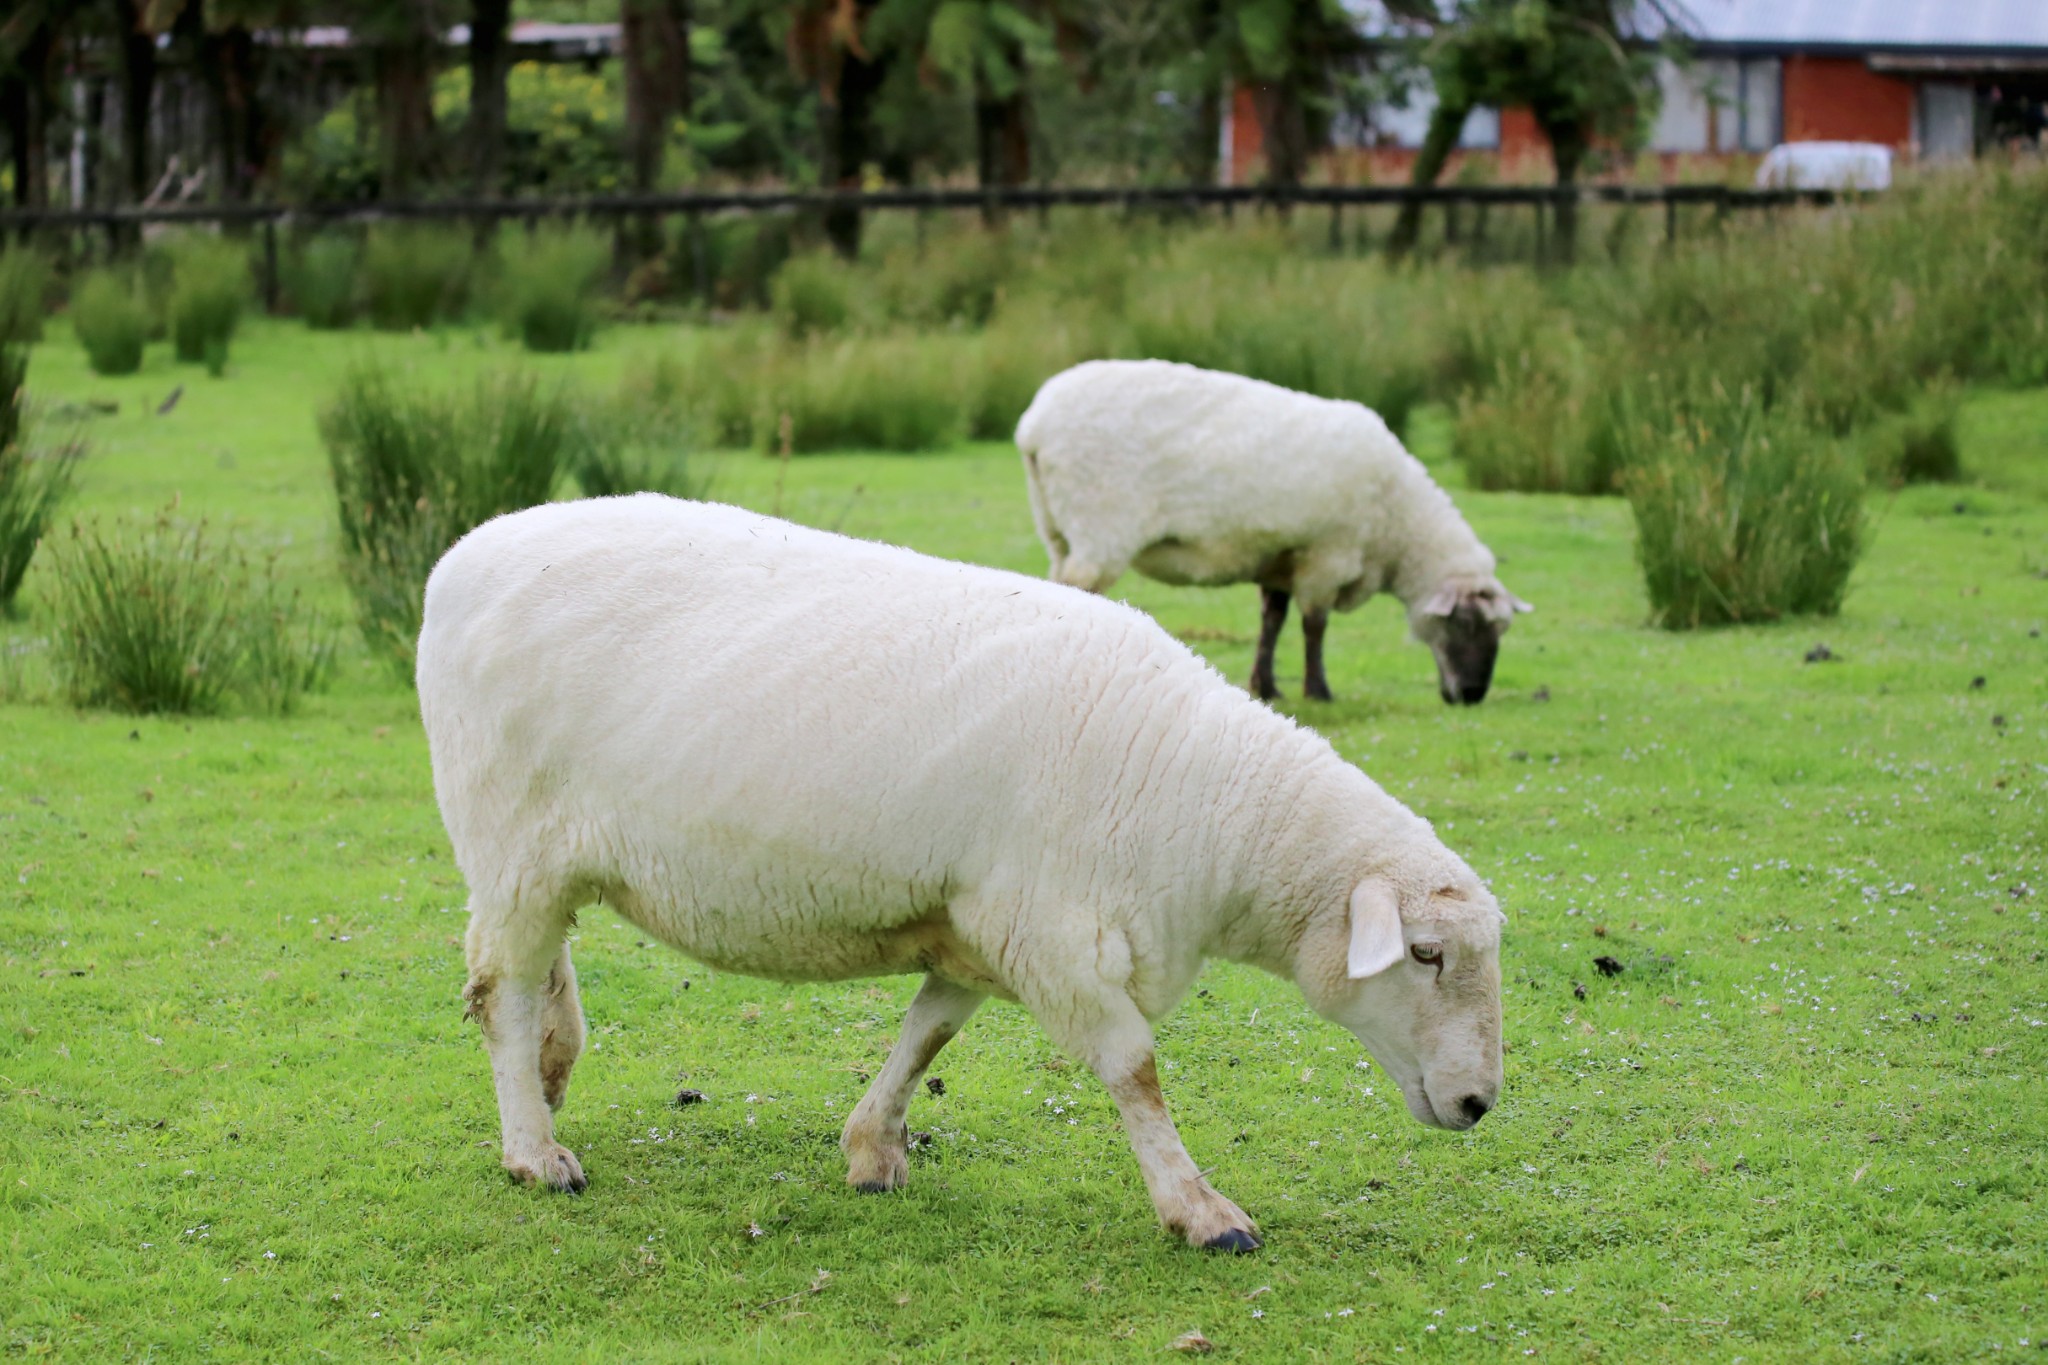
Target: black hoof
<point>874,1187</point>
<point>1237,1240</point>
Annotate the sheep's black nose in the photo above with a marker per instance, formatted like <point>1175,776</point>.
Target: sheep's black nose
<point>1472,694</point>
<point>1474,1108</point>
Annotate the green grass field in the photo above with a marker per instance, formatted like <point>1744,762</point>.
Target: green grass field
<point>241,1115</point>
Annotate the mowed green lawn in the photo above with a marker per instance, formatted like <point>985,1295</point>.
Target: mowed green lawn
<point>241,1115</point>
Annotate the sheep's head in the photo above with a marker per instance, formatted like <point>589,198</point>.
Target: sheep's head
<point>1412,969</point>
<point>1462,624</point>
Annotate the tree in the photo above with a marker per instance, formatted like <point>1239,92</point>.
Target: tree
<point>28,51</point>
<point>1570,62</point>
<point>1289,52</point>
<point>136,44</point>
<point>829,46</point>
<point>490,58</point>
<point>403,38</point>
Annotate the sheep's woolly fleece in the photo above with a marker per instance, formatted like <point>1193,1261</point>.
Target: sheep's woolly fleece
<point>1195,476</point>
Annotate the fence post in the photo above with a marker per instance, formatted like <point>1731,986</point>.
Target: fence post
<point>270,265</point>
<point>700,260</point>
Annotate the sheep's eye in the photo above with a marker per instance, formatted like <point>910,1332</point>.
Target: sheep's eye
<point>1428,954</point>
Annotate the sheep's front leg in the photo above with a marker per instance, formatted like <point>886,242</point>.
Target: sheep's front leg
<point>1314,686</point>
<point>1118,1048</point>
<point>511,958</point>
<point>1272,615</point>
<point>874,1139</point>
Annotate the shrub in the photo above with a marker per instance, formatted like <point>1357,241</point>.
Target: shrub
<point>1537,427</point>
<point>210,283</point>
<point>417,469</point>
<point>622,452</point>
<point>1741,516</point>
<point>24,283</point>
<point>32,483</point>
<point>155,617</point>
<point>112,322</point>
<point>813,293</point>
<point>416,275</point>
<point>549,286</point>
<point>322,281</point>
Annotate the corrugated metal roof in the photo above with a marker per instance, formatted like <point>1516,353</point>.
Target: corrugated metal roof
<point>2015,26</point>
<point>1940,25</point>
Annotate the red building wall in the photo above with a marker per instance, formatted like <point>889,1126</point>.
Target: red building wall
<point>1840,99</point>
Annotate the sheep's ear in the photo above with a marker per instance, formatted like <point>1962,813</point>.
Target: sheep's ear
<point>1518,604</point>
<point>1376,942</point>
<point>1442,602</point>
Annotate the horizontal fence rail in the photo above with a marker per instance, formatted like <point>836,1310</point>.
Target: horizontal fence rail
<point>694,202</point>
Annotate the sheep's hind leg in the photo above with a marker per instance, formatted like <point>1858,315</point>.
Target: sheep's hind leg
<point>513,952</point>
<point>1117,1046</point>
<point>1272,615</point>
<point>874,1139</point>
<point>561,1029</point>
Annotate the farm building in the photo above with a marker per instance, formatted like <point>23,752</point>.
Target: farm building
<point>1932,79</point>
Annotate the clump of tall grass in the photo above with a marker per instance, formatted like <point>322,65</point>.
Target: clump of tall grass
<point>549,281</point>
<point>322,281</point>
<point>903,393</point>
<point>33,483</point>
<point>416,275</point>
<point>634,450</point>
<point>24,283</point>
<point>1742,515</point>
<point>1537,427</point>
<point>415,469</point>
<point>157,617</point>
<point>1919,445</point>
<point>813,293</point>
<point>112,322</point>
<point>209,286</point>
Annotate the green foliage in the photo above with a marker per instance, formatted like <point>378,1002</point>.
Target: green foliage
<point>1531,429</point>
<point>901,393</point>
<point>417,275</point>
<point>550,279</point>
<point>209,288</point>
<point>322,280</point>
<point>1920,445</point>
<point>32,482</point>
<point>24,285</point>
<point>111,320</point>
<point>155,617</point>
<point>633,449</point>
<point>1741,516</point>
<point>415,468</point>
<point>1562,58</point>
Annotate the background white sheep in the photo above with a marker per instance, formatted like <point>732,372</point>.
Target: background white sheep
<point>801,756</point>
<point>1192,476</point>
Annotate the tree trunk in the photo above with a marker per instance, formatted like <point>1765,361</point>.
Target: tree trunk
<point>490,58</point>
<point>1445,123</point>
<point>655,38</point>
<point>1568,146</point>
<point>1285,124</point>
<point>1204,153</point>
<point>405,111</point>
<point>25,101</point>
<point>138,88</point>
<point>846,141</point>
<point>1002,136</point>
<point>239,121</point>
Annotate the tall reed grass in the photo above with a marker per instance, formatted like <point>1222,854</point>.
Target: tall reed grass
<point>322,281</point>
<point>33,483</point>
<point>24,286</point>
<point>417,275</point>
<point>549,281</point>
<point>210,287</point>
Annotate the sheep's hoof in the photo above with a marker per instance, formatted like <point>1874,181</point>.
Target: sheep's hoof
<point>873,1186</point>
<point>1233,1240</point>
<point>555,1167</point>
<point>1317,694</point>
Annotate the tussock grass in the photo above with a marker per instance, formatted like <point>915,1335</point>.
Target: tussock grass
<point>322,280</point>
<point>549,286</point>
<point>209,288</point>
<point>157,616</point>
<point>24,285</point>
<point>111,321</point>
<point>1741,515</point>
<point>417,467</point>
<point>417,275</point>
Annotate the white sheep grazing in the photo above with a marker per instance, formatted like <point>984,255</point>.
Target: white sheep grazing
<point>1193,476</point>
<point>800,756</point>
